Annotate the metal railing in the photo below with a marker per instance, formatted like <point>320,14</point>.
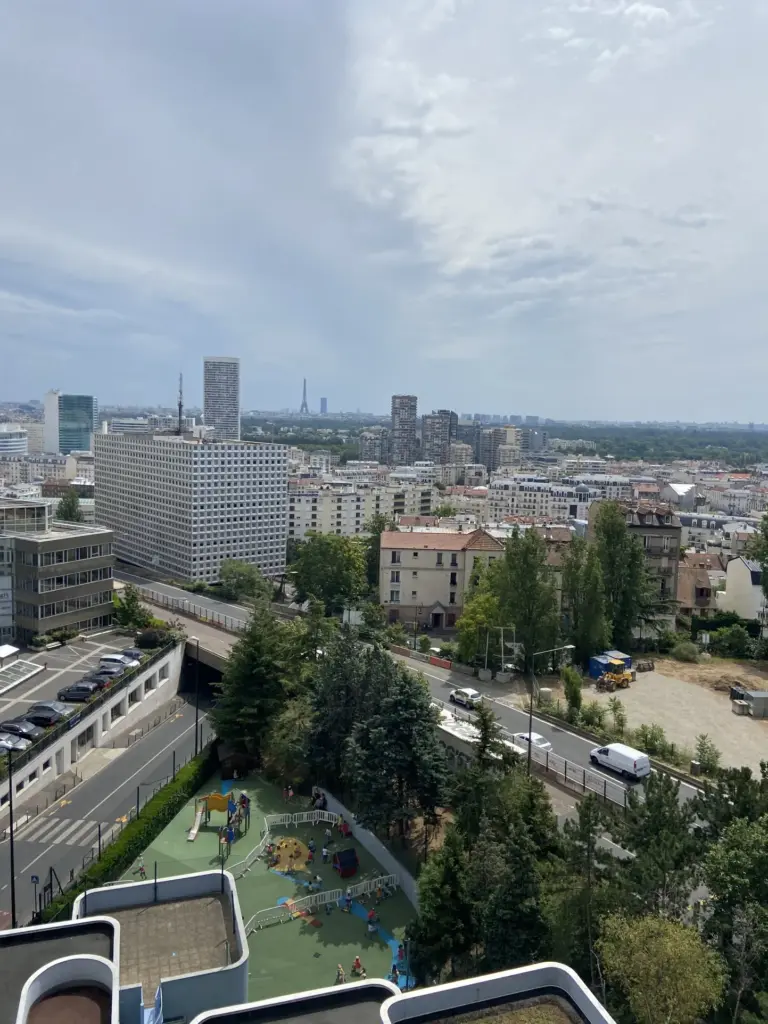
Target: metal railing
<point>272,821</point>
<point>291,908</point>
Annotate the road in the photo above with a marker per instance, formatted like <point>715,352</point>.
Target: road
<point>441,681</point>
<point>61,836</point>
<point>177,594</point>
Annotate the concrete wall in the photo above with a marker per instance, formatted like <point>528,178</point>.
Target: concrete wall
<point>152,687</point>
<point>68,972</point>
<point>376,848</point>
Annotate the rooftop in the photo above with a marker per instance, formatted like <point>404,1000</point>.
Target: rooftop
<point>358,1003</point>
<point>438,540</point>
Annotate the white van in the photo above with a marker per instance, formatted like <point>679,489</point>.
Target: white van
<point>624,760</point>
<point>118,659</point>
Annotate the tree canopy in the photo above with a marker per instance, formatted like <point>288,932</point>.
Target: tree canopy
<point>68,510</point>
<point>332,569</point>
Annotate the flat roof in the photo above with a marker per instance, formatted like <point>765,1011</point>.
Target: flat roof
<point>174,937</point>
<point>24,951</point>
<point>349,1004</point>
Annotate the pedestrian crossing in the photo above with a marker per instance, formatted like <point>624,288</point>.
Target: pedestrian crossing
<point>54,831</point>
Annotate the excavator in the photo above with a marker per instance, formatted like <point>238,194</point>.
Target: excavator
<point>616,677</point>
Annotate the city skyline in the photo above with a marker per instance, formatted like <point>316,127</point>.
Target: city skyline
<point>415,222</point>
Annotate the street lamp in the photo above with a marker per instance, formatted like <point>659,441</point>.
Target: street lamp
<point>11,840</point>
<point>197,693</point>
<point>534,656</point>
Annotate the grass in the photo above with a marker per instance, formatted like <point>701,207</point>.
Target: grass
<point>546,1010</point>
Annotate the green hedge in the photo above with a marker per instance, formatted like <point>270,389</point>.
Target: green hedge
<point>138,834</point>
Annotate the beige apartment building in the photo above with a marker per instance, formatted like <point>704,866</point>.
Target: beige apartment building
<point>344,511</point>
<point>424,575</point>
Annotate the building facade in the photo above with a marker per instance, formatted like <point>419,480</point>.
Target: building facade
<point>184,505</point>
<point>404,416</point>
<point>375,444</point>
<point>221,396</point>
<point>529,495</point>
<point>13,439</point>
<point>28,469</point>
<point>438,432</point>
<point>70,422</point>
<point>345,510</point>
<point>52,575</point>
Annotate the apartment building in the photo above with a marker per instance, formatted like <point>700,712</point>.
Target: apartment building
<point>28,469</point>
<point>344,510</point>
<point>743,593</point>
<point>438,432</point>
<point>13,439</point>
<point>403,439</point>
<point>460,454</point>
<point>425,575</point>
<point>52,575</point>
<point>184,504</point>
<point>538,497</point>
<point>221,396</point>
<point>375,445</point>
<point>612,487</point>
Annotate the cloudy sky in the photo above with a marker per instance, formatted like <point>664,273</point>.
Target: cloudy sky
<point>502,205</point>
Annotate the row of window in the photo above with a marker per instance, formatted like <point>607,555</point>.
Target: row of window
<point>74,604</point>
<point>73,579</point>
<point>438,558</point>
<point>63,555</point>
<point>394,596</point>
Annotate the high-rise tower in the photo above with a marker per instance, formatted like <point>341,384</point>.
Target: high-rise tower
<point>304,410</point>
<point>221,396</point>
<point>404,409</point>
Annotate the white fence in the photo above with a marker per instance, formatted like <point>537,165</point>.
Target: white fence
<point>286,911</point>
<point>372,884</point>
<point>273,821</point>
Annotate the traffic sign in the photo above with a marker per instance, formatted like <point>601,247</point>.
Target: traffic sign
<point>35,880</point>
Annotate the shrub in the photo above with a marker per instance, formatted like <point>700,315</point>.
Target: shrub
<point>685,651</point>
<point>41,640</point>
<point>572,687</point>
<point>149,638</point>
<point>731,642</point>
<point>665,641</point>
<point>138,834</point>
<point>424,643</point>
<point>449,650</point>
<point>593,714</point>
<point>707,754</point>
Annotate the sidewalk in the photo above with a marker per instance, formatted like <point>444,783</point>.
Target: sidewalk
<point>91,764</point>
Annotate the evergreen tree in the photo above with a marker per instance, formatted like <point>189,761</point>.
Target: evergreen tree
<point>584,601</point>
<point>444,933</point>
<point>252,690</point>
<point>68,510</point>
<point>286,743</point>
<point>734,794</point>
<point>524,585</point>
<point>129,612</point>
<point>475,792</point>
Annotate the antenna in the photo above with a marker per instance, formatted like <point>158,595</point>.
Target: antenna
<point>181,403</point>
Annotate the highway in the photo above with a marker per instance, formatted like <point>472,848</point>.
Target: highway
<point>441,681</point>
<point>61,836</point>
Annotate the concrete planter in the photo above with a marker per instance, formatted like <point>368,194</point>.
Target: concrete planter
<point>503,677</point>
<point>484,674</point>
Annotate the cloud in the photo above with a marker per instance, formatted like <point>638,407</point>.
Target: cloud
<point>372,193</point>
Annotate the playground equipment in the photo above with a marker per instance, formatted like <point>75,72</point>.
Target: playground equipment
<point>346,862</point>
<point>238,812</point>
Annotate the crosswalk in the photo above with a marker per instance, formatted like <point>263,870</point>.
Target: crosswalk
<point>55,831</point>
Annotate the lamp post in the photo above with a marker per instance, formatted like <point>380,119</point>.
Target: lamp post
<point>197,694</point>
<point>11,841</point>
<point>534,656</point>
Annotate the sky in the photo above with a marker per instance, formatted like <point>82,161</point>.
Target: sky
<point>509,206</point>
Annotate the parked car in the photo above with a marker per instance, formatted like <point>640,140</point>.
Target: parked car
<point>21,727</point>
<point>134,653</point>
<point>96,677</point>
<point>111,670</point>
<point>626,761</point>
<point>466,696</point>
<point>534,738</point>
<point>118,659</point>
<point>10,742</point>
<point>50,705</point>
<point>44,717</point>
<point>78,693</point>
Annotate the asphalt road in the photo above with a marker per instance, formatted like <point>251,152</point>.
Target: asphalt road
<point>61,836</point>
<point>221,607</point>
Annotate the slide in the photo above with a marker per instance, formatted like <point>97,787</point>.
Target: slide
<point>192,834</point>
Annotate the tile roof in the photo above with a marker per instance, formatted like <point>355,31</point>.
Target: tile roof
<point>434,541</point>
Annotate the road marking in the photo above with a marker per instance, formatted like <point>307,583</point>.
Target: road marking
<point>86,827</point>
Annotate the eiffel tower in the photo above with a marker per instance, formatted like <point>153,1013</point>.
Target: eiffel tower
<point>304,410</point>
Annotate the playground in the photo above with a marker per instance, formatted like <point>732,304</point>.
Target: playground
<point>306,914</point>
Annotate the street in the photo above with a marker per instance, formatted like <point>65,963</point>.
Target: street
<point>61,836</point>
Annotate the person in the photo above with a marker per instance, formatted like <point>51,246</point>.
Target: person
<point>325,855</point>
<point>328,836</point>
<point>363,975</point>
<point>310,856</point>
<point>340,976</point>
<point>357,966</point>
<point>142,869</point>
<point>339,822</point>
<point>395,974</point>
<point>371,915</point>
<point>348,900</point>
<point>285,794</point>
<point>311,846</point>
<point>401,952</point>
<point>379,894</point>
<point>290,793</point>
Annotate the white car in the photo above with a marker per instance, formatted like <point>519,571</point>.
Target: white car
<point>534,738</point>
<point>465,695</point>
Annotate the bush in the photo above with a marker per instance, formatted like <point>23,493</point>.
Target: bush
<point>707,754</point>
<point>572,687</point>
<point>731,642</point>
<point>63,635</point>
<point>424,643</point>
<point>593,715</point>
<point>41,640</point>
<point>137,835</point>
<point>450,650</point>
<point>665,641</point>
<point>685,651</point>
<point>149,638</point>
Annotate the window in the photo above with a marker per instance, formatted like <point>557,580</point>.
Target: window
<point>415,554</point>
<point>415,573</point>
<point>394,597</point>
<point>47,765</point>
<point>665,544</point>
<point>646,542</point>
<point>414,593</point>
<point>452,597</point>
<point>667,520</point>
<point>395,558</point>
<point>454,559</point>
<point>439,559</point>
<point>453,579</point>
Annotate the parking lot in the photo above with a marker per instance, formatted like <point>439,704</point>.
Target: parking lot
<point>62,667</point>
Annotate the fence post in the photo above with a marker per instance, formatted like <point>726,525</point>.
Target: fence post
<point>138,789</point>
<point>584,781</point>
<point>565,770</point>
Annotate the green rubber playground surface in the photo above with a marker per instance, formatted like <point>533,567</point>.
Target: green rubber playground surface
<point>297,955</point>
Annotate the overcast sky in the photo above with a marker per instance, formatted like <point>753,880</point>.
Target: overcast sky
<point>499,205</point>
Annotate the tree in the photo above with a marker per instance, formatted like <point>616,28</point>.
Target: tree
<point>395,761</point>
<point>374,617</point>
<point>572,687</point>
<point>625,575</point>
<point>476,792</point>
<point>584,601</point>
<point>332,569</point>
<point>524,586</point>
<point>252,690</point>
<point>443,933</point>
<point>129,612</point>
<point>68,510</point>
<point>374,527</point>
<point>734,794</point>
<point>667,973</point>
<point>241,579</point>
<point>292,548</point>
<point>481,615</point>
<point>444,510</point>
<point>286,743</point>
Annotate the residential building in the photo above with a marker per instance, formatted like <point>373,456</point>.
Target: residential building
<point>538,497</point>
<point>424,575</point>
<point>561,444</point>
<point>700,577</point>
<point>13,439</point>
<point>488,448</point>
<point>221,396</point>
<point>743,592</point>
<point>460,454</point>
<point>128,425</point>
<point>438,432</point>
<point>404,413</point>
<point>659,531</point>
<point>682,496</point>
<point>344,510</point>
<point>183,504</point>
<point>58,488</point>
<point>579,464</point>
<point>70,422</point>
<point>52,575</point>
<point>375,444</point>
<point>27,469</point>
<point>35,437</point>
<point>475,475</point>
<point>611,487</point>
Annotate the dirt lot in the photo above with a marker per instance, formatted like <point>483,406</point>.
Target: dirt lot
<point>674,701</point>
<point>717,673</point>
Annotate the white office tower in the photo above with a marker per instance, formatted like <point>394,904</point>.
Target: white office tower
<point>183,505</point>
<point>221,396</point>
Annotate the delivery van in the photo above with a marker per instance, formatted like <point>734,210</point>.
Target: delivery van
<point>624,760</point>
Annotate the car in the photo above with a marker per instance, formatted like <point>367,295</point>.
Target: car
<point>534,738</point>
<point>50,705</point>
<point>110,670</point>
<point>626,761</point>
<point>118,659</point>
<point>96,677</point>
<point>44,717</point>
<point>78,693</point>
<point>466,696</point>
<point>21,727</point>
<point>134,653</point>
<point>10,742</point>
